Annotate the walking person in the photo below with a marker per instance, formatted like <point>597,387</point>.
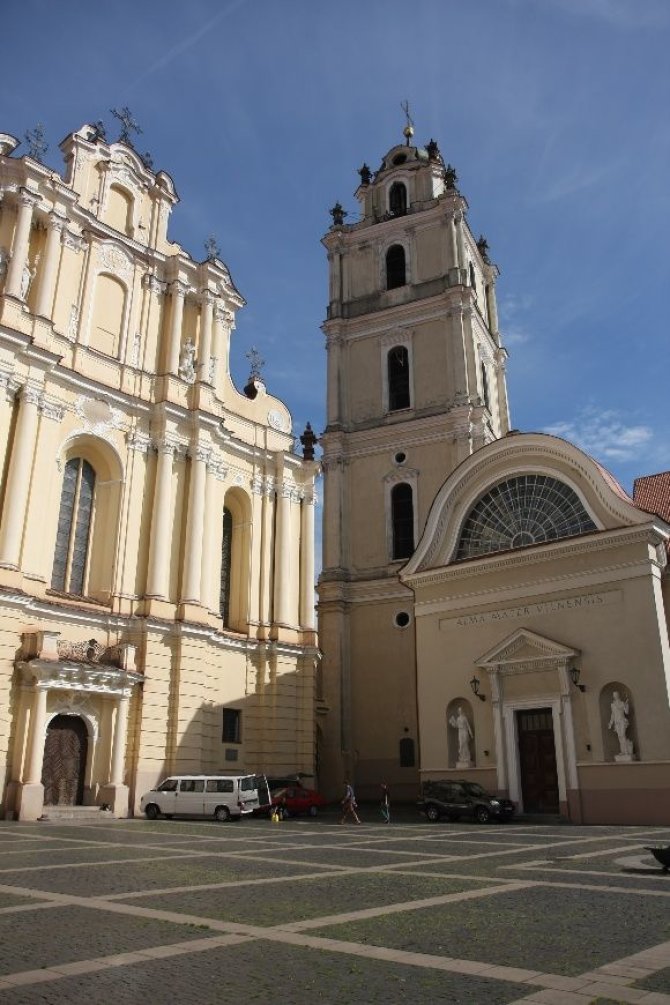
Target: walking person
<point>349,803</point>
<point>386,803</point>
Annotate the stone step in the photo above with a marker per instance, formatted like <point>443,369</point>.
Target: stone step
<point>76,814</point>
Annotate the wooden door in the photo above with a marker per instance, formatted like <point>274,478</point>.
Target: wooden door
<point>65,761</point>
<point>537,756</point>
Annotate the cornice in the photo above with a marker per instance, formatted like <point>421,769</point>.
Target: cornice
<point>597,541</point>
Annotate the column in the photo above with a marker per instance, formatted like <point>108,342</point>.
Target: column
<point>195,524</point>
<point>453,247</point>
<point>210,588</point>
<point>178,291</point>
<point>267,521</point>
<point>333,404</point>
<point>206,315</point>
<point>19,259</point>
<point>120,738</point>
<point>458,221</point>
<point>18,479</point>
<point>223,324</point>
<point>492,306</point>
<point>282,583</point>
<point>38,717</point>
<point>160,546</point>
<point>45,293</point>
<point>332,513</point>
<point>307,561</point>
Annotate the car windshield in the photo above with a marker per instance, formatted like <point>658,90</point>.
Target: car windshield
<point>473,789</point>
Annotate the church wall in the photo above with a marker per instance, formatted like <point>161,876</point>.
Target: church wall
<point>89,311</point>
<point>383,697</point>
<point>609,621</point>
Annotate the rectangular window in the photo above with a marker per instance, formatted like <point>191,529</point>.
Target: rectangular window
<point>219,785</point>
<point>231,725</point>
<point>192,785</point>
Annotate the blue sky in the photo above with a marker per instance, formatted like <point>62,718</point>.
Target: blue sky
<point>554,112</point>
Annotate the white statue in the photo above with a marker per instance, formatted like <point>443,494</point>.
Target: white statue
<point>27,277</point>
<point>461,723</point>
<point>137,346</point>
<point>619,723</point>
<point>187,361</point>
<point>73,323</point>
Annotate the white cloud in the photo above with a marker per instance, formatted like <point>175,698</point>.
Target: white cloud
<point>512,309</point>
<point>605,435</point>
<point>625,14</point>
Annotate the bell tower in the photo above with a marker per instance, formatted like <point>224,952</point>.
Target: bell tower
<point>416,383</point>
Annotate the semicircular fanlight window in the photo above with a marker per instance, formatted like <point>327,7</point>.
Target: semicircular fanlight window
<point>520,512</point>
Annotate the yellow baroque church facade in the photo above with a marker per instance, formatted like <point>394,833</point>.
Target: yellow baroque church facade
<point>493,607</point>
<point>156,524</point>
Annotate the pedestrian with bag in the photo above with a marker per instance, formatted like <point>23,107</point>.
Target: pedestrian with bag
<point>386,804</point>
<point>349,803</point>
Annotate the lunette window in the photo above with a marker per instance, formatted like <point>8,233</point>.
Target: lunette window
<point>520,512</point>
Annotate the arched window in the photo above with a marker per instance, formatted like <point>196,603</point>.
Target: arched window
<point>226,566</point>
<point>522,511</point>
<point>397,199</point>
<point>398,378</point>
<point>119,213</point>
<point>395,267</point>
<point>485,387</point>
<point>402,520</point>
<point>74,527</point>
<point>108,313</point>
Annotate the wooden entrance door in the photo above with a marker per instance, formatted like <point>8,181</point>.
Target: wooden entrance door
<point>65,761</point>
<point>537,756</point>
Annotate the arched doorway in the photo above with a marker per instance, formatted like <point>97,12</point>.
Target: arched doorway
<point>65,761</point>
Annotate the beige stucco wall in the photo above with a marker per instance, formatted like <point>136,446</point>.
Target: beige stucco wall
<point>97,306</point>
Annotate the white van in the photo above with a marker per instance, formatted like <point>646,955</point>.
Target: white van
<point>222,796</point>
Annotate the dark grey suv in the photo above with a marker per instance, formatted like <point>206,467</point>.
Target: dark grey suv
<point>457,800</point>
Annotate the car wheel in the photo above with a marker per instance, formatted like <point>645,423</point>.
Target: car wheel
<point>222,814</point>
<point>482,815</point>
<point>432,813</point>
<point>152,812</point>
<point>313,810</point>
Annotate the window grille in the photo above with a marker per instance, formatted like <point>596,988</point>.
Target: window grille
<point>520,512</point>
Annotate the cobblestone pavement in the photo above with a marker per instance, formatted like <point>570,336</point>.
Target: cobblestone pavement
<point>123,912</point>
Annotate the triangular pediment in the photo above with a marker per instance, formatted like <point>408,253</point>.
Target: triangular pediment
<point>524,646</point>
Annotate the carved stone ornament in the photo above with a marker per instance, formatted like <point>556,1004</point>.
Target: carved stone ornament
<point>114,260</point>
<point>98,415</point>
<point>276,421</point>
<point>73,241</point>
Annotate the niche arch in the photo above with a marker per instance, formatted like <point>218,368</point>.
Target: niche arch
<point>238,504</point>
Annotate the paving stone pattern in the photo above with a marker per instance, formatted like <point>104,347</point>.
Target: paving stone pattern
<point>122,912</point>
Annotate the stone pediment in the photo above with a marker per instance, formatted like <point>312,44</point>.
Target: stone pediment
<point>525,647</point>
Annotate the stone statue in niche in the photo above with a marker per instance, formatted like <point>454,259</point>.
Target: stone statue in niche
<point>619,722</point>
<point>187,361</point>
<point>461,723</point>
<point>27,277</point>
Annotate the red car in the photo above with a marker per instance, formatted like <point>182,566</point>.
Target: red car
<point>295,799</point>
